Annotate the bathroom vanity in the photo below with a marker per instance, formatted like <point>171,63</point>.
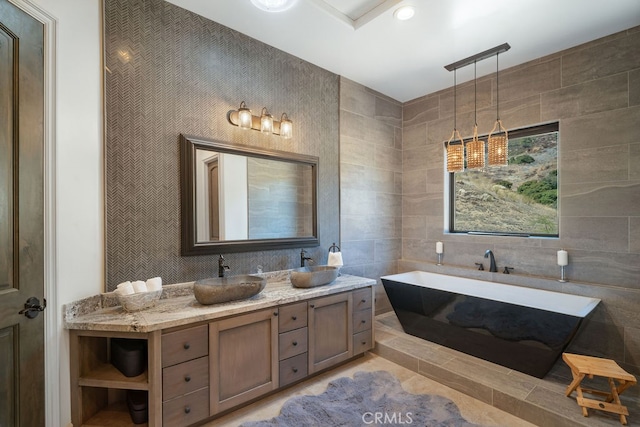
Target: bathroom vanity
<point>204,360</point>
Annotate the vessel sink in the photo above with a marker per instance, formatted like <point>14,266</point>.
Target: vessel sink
<point>317,275</point>
<point>216,290</point>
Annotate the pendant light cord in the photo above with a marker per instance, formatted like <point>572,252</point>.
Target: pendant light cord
<point>475,95</point>
<point>497,90</point>
<point>454,99</point>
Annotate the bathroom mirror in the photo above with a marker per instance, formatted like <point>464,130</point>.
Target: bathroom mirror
<point>238,198</point>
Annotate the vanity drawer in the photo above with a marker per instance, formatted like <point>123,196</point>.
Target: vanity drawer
<point>361,321</point>
<point>362,299</point>
<point>362,342</point>
<point>186,410</point>
<point>293,343</point>
<point>293,369</point>
<point>185,344</point>
<point>292,317</point>
<point>185,377</point>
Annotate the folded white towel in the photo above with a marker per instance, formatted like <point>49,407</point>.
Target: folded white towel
<point>154,284</point>
<point>335,259</point>
<point>125,288</point>
<point>139,286</point>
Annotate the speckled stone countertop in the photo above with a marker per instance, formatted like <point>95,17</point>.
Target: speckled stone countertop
<point>178,306</point>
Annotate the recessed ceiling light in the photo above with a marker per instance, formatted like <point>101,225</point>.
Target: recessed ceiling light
<point>403,13</point>
<point>273,5</point>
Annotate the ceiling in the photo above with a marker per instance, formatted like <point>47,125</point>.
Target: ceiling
<point>361,40</point>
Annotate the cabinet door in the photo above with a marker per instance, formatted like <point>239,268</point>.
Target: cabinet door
<point>244,358</point>
<point>330,331</point>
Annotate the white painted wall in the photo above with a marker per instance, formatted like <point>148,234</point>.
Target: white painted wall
<point>234,208</point>
<point>79,211</point>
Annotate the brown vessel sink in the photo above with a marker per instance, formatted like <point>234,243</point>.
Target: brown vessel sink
<point>310,277</point>
<point>216,290</point>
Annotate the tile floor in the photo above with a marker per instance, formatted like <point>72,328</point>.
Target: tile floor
<point>472,409</point>
<point>480,389</point>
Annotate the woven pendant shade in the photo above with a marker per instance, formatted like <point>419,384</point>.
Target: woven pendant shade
<point>475,151</point>
<point>498,144</point>
<point>455,154</point>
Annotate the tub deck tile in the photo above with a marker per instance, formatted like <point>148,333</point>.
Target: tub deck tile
<point>539,401</point>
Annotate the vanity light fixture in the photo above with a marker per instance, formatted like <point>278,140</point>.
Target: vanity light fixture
<point>286,127</point>
<point>244,116</point>
<point>244,119</point>
<point>404,13</point>
<point>266,121</point>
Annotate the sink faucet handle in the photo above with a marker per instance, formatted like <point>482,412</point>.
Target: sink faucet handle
<point>507,269</point>
<point>480,266</point>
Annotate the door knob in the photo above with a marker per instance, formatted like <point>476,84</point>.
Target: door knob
<point>32,307</point>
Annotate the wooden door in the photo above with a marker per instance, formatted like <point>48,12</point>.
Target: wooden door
<point>244,358</point>
<point>22,400</point>
<point>330,331</point>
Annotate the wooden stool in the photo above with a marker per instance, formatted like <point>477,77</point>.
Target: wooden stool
<point>582,366</point>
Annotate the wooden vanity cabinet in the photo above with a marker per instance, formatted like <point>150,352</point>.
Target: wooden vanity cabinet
<point>98,389</point>
<point>362,320</point>
<point>330,331</point>
<point>293,343</point>
<point>197,371</point>
<point>185,376</point>
<point>243,354</point>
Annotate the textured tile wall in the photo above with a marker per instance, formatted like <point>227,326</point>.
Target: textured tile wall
<point>594,92</point>
<point>370,183</point>
<point>169,71</point>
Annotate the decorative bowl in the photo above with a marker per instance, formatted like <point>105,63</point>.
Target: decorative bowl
<point>138,301</point>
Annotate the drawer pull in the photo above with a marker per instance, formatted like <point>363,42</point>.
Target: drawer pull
<point>363,321</point>
<point>294,317</point>
<point>186,346</point>
<point>275,313</point>
<point>312,305</point>
<point>187,378</point>
<point>187,409</point>
<point>295,343</point>
<point>295,370</point>
<point>364,342</point>
<point>363,301</point>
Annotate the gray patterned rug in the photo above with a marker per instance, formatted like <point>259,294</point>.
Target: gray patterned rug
<point>369,399</point>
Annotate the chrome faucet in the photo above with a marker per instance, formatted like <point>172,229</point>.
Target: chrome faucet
<point>303,257</point>
<point>222,266</point>
<point>492,267</point>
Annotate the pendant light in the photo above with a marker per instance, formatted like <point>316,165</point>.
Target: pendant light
<point>498,142</point>
<point>455,153</point>
<point>475,148</point>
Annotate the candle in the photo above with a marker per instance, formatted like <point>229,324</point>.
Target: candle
<point>563,257</point>
<point>439,248</point>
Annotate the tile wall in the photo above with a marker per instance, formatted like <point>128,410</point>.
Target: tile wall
<point>370,183</point>
<point>593,90</point>
<point>169,71</point>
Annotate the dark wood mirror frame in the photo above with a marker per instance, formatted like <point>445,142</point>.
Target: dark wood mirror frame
<point>188,146</point>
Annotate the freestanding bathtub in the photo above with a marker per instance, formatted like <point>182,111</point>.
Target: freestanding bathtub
<point>521,328</point>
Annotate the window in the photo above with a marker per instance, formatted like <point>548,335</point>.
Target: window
<point>517,199</point>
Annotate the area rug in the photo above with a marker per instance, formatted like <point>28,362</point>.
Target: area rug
<point>367,399</point>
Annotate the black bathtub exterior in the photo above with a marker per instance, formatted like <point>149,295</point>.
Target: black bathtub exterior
<point>525,339</point>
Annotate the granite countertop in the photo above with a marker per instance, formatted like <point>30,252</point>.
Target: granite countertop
<point>178,306</point>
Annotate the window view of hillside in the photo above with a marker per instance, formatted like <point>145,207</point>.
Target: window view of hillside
<point>520,198</point>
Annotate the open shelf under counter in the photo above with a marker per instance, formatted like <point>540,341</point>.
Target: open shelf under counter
<point>107,375</point>
<point>116,414</point>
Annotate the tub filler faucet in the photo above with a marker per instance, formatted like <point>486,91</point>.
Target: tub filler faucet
<point>492,267</point>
